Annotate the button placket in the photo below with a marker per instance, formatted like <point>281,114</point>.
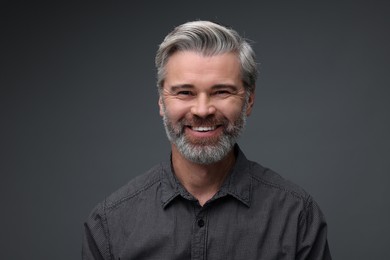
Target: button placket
<point>199,235</point>
<point>200,223</point>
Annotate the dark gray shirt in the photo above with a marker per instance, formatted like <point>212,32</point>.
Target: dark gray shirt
<point>255,215</point>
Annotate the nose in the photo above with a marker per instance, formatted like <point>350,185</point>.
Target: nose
<point>203,106</point>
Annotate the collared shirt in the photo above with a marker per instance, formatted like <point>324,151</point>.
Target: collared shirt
<point>256,214</point>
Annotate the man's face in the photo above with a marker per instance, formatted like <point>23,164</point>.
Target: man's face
<point>204,104</point>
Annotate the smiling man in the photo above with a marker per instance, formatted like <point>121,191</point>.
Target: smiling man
<point>208,201</point>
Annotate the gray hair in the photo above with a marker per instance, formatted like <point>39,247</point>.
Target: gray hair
<point>209,39</point>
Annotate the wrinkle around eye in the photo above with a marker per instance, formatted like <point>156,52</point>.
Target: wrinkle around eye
<point>184,93</point>
<point>222,93</point>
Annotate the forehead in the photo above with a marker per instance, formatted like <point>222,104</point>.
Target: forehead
<point>193,66</point>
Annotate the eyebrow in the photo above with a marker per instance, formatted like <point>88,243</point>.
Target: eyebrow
<point>215,87</point>
<point>183,86</point>
<point>225,86</point>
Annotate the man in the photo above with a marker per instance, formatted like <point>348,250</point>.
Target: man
<point>208,201</point>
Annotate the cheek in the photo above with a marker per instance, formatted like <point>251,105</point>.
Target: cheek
<point>234,115</point>
<point>231,110</point>
<point>176,111</point>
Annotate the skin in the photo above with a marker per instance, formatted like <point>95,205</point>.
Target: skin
<point>202,87</point>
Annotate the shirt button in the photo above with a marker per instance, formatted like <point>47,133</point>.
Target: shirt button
<point>200,222</point>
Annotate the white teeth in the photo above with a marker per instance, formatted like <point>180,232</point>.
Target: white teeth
<point>203,128</point>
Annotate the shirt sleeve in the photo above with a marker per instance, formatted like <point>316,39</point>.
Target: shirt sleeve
<point>312,234</point>
<point>95,238</point>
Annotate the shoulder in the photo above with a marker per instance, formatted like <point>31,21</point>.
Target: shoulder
<point>268,179</point>
<point>103,220</point>
<point>134,187</point>
<point>269,185</point>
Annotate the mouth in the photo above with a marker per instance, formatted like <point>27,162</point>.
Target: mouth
<point>202,132</point>
<point>203,128</point>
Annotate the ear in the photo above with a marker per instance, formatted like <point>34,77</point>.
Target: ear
<point>251,101</point>
<point>161,106</point>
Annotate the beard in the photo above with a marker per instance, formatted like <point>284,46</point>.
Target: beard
<point>206,150</point>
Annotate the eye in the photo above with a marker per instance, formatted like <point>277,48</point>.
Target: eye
<point>222,93</point>
<point>184,93</point>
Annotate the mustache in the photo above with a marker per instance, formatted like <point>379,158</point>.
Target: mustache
<point>208,121</point>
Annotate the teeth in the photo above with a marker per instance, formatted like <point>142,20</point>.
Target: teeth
<point>203,128</point>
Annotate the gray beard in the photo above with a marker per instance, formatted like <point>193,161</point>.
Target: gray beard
<point>205,153</point>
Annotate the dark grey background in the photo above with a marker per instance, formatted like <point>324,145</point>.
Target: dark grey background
<point>79,114</point>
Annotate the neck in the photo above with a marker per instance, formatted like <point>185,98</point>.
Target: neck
<point>202,181</point>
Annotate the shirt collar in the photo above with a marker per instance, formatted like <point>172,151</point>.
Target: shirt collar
<point>237,184</point>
